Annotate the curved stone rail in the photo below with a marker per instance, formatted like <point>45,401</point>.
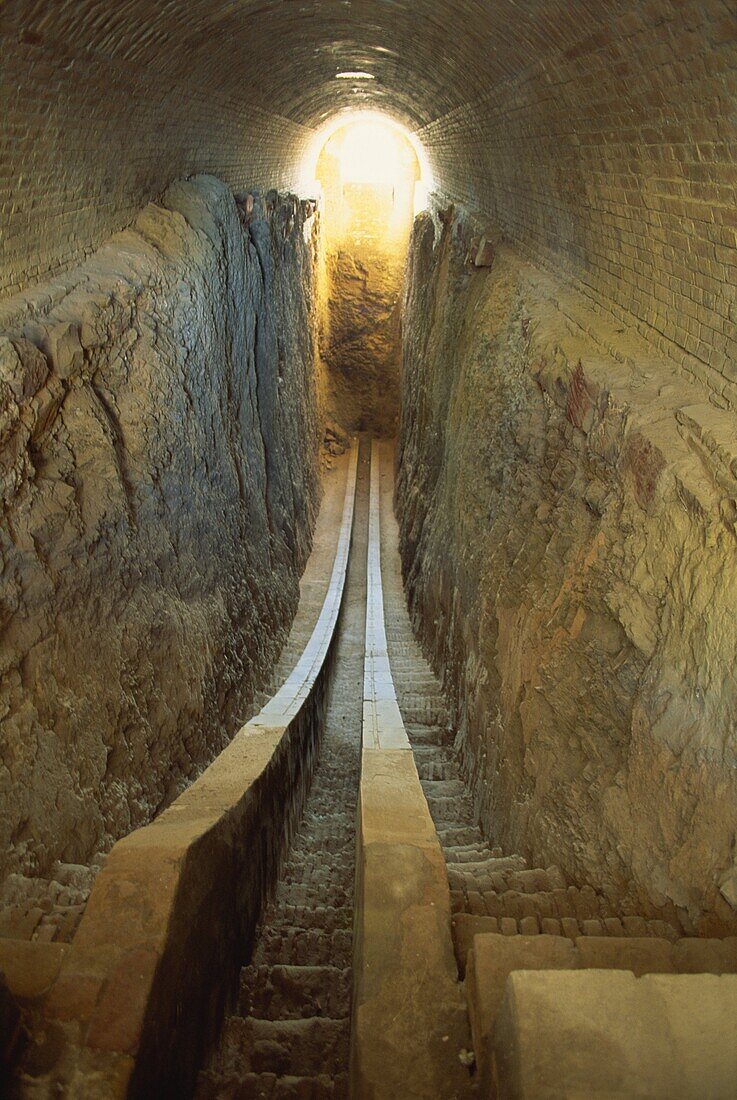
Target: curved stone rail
<point>142,989</point>
<point>409,1019</point>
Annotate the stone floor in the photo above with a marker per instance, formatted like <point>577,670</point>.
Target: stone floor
<point>289,1034</point>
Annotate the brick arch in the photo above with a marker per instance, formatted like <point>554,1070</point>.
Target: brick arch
<point>600,137</point>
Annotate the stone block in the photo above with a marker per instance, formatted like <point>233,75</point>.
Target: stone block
<point>642,955</point>
<point>570,927</point>
<point>608,1033</point>
<point>17,923</point>
<point>491,961</point>
<point>408,1013</point>
<point>705,956</point>
<point>30,968</point>
<point>465,927</point>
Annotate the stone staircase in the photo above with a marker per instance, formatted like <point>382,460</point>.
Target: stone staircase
<point>491,891</point>
<point>499,890</point>
<point>289,1033</point>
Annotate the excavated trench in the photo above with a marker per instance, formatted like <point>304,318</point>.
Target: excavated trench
<point>365,864</point>
<point>290,1034</point>
<point>367,681</point>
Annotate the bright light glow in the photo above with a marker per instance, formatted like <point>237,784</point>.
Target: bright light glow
<point>309,184</point>
<point>369,154</point>
<point>355,76</point>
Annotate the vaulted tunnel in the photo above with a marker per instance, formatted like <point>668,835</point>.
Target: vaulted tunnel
<point>359,575</point>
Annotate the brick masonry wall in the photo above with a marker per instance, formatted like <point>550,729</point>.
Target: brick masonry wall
<point>85,142</point>
<point>600,135</point>
<point>617,162</point>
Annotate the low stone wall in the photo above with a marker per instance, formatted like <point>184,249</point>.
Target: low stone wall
<point>567,508</point>
<point>594,1033</point>
<point>140,994</point>
<point>493,958</point>
<point>408,1020</point>
<point>158,446</point>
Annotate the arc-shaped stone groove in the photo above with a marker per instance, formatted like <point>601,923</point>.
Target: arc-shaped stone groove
<point>301,680</point>
<point>173,913</point>
<point>408,1018</point>
<point>383,727</point>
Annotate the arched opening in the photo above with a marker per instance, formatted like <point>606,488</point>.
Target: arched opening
<point>372,178</point>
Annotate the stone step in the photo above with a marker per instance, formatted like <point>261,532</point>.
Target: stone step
<point>449,811</point>
<point>326,820</point>
<point>420,733</point>
<point>304,947</point>
<point>323,839</point>
<point>329,893</point>
<point>440,754</point>
<point>301,1048</point>
<point>433,770</point>
<point>451,835</point>
<point>341,866</point>
<point>323,918</point>
<point>410,677</point>
<point>468,853</point>
<point>419,713</point>
<point>294,992</point>
<point>466,926</point>
<point>551,903</point>
<point>408,667</point>
<point>268,1086</point>
<point>488,866</point>
<point>445,788</point>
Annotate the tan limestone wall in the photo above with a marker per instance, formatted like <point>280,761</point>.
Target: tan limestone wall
<point>367,224</point>
<point>569,545</point>
<point>159,434</point>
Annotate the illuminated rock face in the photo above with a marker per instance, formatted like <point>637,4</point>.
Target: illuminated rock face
<point>571,564</point>
<point>368,173</point>
<point>155,520</point>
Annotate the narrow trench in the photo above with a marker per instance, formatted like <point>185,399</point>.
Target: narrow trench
<point>451,288</point>
<point>290,1032</point>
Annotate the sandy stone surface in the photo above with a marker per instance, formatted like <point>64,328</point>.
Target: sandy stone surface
<point>158,441</point>
<point>568,537</point>
<point>363,350</point>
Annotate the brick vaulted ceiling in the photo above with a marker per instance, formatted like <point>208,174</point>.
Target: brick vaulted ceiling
<point>600,136</point>
<point>283,55</point>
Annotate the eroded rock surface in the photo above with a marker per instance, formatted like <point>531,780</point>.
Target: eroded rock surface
<point>363,350</point>
<point>568,538</point>
<point>158,435</point>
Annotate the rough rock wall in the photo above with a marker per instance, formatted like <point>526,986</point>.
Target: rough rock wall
<point>567,509</point>
<point>363,350</point>
<point>159,429</point>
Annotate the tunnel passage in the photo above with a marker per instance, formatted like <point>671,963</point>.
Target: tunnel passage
<point>370,178</point>
<point>171,394</point>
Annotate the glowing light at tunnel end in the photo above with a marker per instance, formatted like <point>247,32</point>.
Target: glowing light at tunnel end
<point>371,121</point>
